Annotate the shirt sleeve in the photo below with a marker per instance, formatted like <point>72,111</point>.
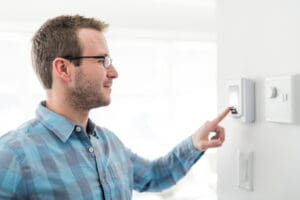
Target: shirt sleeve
<point>10,174</point>
<point>166,171</point>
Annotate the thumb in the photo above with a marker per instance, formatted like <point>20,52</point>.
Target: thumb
<point>214,143</point>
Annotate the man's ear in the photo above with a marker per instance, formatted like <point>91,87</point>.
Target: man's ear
<point>62,69</point>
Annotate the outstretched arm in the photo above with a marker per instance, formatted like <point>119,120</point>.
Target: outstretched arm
<point>162,173</point>
<point>166,171</point>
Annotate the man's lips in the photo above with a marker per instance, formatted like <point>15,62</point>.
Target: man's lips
<point>108,85</point>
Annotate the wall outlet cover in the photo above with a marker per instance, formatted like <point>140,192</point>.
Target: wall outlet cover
<point>245,170</point>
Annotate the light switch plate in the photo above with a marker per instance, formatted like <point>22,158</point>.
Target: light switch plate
<point>281,99</point>
<point>245,170</point>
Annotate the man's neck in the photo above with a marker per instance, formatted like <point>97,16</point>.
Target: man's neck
<point>78,117</point>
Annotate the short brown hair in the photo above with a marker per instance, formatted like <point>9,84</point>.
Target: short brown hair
<point>57,37</point>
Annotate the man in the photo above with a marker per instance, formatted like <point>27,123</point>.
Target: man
<point>62,154</point>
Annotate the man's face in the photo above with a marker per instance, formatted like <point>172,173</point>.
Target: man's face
<point>92,82</point>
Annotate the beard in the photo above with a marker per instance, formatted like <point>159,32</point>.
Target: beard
<point>86,94</point>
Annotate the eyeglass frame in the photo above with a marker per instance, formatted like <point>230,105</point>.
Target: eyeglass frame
<point>104,59</point>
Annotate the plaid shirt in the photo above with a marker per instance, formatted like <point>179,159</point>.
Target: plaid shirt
<point>49,157</point>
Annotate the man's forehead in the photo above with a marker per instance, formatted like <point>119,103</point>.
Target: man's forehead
<point>93,40</point>
<point>86,34</point>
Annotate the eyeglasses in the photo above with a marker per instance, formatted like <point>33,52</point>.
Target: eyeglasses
<point>105,60</point>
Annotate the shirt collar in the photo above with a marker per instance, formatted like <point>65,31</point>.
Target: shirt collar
<point>59,125</point>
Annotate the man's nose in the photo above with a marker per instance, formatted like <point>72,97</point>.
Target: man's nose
<point>112,72</point>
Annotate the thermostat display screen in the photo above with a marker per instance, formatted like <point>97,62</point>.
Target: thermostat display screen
<point>233,95</point>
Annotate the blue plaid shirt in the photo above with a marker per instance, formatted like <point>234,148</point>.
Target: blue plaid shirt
<point>50,157</point>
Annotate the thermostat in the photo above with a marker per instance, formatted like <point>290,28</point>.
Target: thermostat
<point>241,99</point>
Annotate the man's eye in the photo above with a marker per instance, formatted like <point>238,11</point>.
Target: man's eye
<point>100,60</point>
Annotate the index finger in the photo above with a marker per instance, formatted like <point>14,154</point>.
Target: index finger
<point>221,116</point>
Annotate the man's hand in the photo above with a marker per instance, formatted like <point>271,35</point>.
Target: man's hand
<point>201,139</point>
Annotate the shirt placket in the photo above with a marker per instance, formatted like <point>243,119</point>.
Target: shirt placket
<point>101,160</point>
<point>92,146</point>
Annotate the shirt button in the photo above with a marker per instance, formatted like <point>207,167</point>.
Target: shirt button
<point>78,129</point>
<point>91,149</point>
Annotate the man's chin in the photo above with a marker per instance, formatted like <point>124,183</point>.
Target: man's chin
<point>106,102</point>
<point>100,104</point>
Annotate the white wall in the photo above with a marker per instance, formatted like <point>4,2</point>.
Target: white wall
<point>257,39</point>
<point>191,15</point>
